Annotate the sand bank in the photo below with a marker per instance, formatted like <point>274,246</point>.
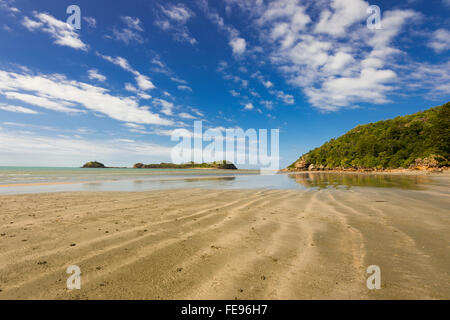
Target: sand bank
<point>226,244</point>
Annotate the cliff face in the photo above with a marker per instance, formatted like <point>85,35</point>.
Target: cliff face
<point>417,141</point>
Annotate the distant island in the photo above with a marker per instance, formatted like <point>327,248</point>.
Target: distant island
<point>93,164</point>
<point>98,165</point>
<point>419,141</point>
<point>190,165</point>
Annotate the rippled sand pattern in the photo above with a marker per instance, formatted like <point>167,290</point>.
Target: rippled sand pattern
<point>226,244</point>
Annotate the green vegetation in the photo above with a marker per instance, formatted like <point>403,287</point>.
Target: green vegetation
<point>94,164</point>
<point>190,165</point>
<point>418,140</point>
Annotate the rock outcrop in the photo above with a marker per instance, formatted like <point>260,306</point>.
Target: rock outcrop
<point>93,164</point>
<point>431,162</point>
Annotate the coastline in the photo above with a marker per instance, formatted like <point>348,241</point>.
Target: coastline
<point>40,184</point>
<point>430,172</point>
<point>226,244</point>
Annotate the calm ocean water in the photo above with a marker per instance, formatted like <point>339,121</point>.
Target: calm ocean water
<point>16,180</point>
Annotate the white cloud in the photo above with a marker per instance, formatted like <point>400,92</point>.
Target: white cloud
<point>254,93</point>
<point>343,14</point>
<point>142,81</point>
<point>132,31</point>
<point>176,79</point>
<point>130,87</point>
<point>236,42</point>
<point>337,61</point>
<point>238,45</point>
<point>133,23</point>
<point>158,62</point>
<point>286,98</point>
<point>166,106</point>
<point>344,91</point>
<point>134,126</point>
<point>6,5</point>
<point>268,104</point>
<point>178,12</point>
<point>144,96</point>
<point>63,33</point>
<point>174,18</point>
<point>434,78</point>
<point>121,62</point>
<point>17,109</point>
<point>18,148</point>
<point>184,88</point>
<point>127,36</point>
<point>161,67</point>
<point>42,101</point>
<point>196,111</point>
<point>95,75</point>
<point>234,93</point>
<point>31,24</point>
<point>56,92</point>
<point>268,84</point>
<point>249,106</point>
<point>185,115</point>
<point>92,23</point>
<point>392,23</point>
<point>440,40</point>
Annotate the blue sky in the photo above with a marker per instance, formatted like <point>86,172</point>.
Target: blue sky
<point>114,90</point>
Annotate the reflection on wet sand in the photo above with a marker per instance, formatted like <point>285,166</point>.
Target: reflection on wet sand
<point>324,180</point>
<point>209,178</point>
<point>176,179</point>
<point>93,186</point>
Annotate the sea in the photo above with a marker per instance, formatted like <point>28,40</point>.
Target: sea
<point>18,180</point>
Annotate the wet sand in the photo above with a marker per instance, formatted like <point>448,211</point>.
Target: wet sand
<point>227,244</point>
<point>39,184</point>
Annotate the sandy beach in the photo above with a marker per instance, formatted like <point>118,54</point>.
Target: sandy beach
<point>227,244</point>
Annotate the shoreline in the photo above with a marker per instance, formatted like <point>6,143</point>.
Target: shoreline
<point>406,172</point>
<point>41,184</point>
<point>186,178</point>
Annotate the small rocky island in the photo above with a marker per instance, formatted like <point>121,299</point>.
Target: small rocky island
<point>93,164</point>
<point>190,165</point>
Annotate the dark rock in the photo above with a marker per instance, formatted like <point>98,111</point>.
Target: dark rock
<point>93,164</point>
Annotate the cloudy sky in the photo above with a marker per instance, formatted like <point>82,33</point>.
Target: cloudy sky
<point>114,90</point>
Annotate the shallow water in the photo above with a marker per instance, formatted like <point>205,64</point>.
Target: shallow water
<point>37,180</point>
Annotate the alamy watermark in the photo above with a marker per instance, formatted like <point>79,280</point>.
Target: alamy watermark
<point>74,19</point>
<point>374,20</point>
<point>74,281</point>
<point>250,147</point>
<point>374,280</point>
